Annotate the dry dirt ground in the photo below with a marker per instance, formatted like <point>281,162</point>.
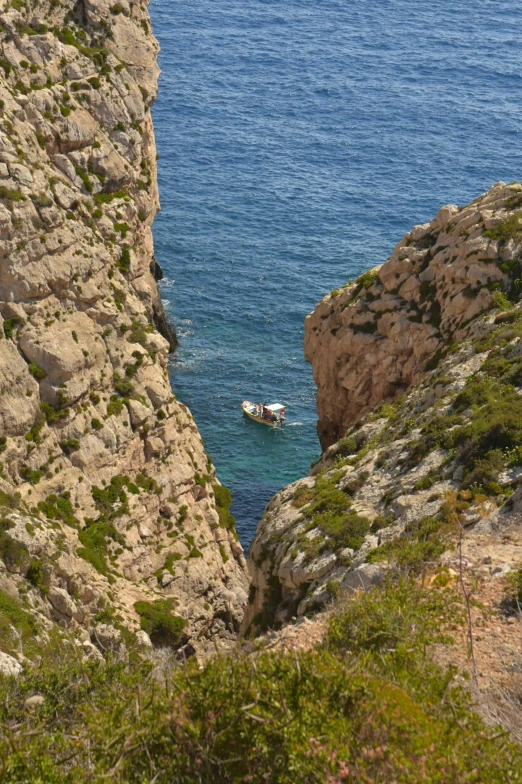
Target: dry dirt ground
<point>493,663</point>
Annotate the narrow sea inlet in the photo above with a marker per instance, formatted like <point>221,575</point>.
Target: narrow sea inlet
<point>298,141</point>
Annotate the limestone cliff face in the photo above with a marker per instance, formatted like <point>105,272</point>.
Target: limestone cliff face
<point>104,471</point>
<point>440,322</point>
<point>369,341</point>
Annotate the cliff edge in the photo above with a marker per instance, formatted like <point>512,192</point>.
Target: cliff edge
<point>110,505</point>
<point>419,381</point>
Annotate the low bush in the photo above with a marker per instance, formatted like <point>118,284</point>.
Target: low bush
<point>369,707</point>
<point>37,372</point>
<point>329,510</point>
<point>158,620</point>
<point>421,546</point>
<point>58,508</point>
<point>223,504</point>
<point>508,229</point>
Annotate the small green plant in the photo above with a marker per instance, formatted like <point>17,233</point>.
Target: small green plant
<point>35,575</point>
<point>37,372</point>
<point>115,406</point>
<point>125,260</point>
<point>501,301</point>
<point>123,386</point>
<point>508,229</point>
<point>31,475</point>
<point>223,503</point>
<point>59,508</point>
<point>51,414</point>
<point>9,194</point>
<point>159,621</point>
<point>9,326</point>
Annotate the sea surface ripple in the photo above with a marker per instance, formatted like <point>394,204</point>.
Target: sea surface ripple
<point>298,141</point>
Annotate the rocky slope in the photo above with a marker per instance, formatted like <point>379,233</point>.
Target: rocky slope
<point>108,496</point>
<point>419,374</point>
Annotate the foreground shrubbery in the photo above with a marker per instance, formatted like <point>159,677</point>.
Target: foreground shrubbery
<point>369,706</point>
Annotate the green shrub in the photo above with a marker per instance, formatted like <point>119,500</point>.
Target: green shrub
<point>422,545</point>
<point>9,326</point>
<point>125,260</point>
<point>346,447</point>
<point>94,538</point>
<point>105,198</point>
<point>115,406</point>
<point>367,279</point>
<point>123,386</point>
<point>37,372</point>
<point>51,414</point>
<point>122,228</point>
<point>70,444</point>
<point>31,475</point>
<point>369,707</point>
<point>139,333</point>
<point>330,511</point>
<point>12,615</point>
<point>147,484</point>
<point>500,300</point>
<point>8,500</point>
<point>160,623</point>
<point>35,575</point>
<point>84,177</point>
<point>380,622</point>
<point>380,522</point>
<point>13,553</point>
<point>508,229</point>
<point>223,503</point>
<point>8,194</point>
<point>59,508</point>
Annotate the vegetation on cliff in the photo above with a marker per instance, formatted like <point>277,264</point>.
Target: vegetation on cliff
<point>370,705</point>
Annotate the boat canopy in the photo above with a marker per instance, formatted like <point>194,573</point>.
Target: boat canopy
<point>275,407</point>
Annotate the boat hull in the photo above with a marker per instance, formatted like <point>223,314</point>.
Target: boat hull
<point>261,420</point>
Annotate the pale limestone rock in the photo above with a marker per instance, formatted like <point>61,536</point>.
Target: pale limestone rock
<point>36,701</point>
<point>79,316</point>
<point>138,412</point>
<point>143,639</point>
<point>9,666</point>
<point>438,276</point>
<point>62,602</point>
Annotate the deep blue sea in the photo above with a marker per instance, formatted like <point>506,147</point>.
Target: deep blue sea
<point>298,141</point>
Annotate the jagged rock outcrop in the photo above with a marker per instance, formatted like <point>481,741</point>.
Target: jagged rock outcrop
<point>373,338</point>
<point>109,495</point>
<point>445,328</point>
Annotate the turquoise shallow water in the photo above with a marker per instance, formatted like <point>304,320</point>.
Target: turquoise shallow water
<point>298,141</point>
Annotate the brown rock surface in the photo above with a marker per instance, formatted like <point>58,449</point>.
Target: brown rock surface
<point>370,340</point>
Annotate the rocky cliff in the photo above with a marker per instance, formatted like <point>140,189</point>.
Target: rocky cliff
<point>419,375</point>
<point>108,496</point>
<point>369,341</point>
